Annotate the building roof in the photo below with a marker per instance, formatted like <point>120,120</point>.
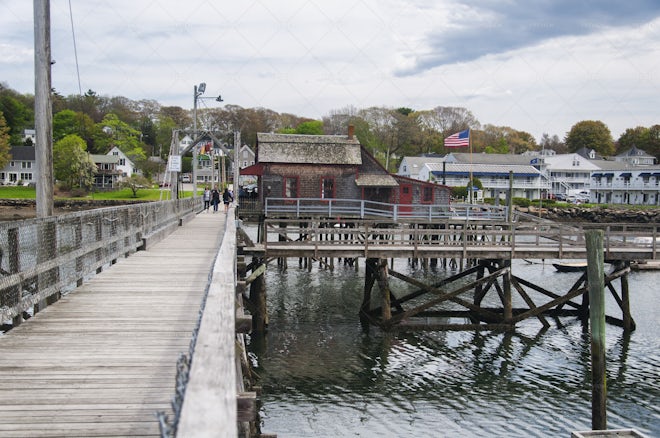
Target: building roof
<point>484,169</point>
<point>22,153</point>
<point>416,163</point>
<point>376,180</point>
<point>634,152</point>
<point>105,159</point>
<point>305,149</point>
<point>484,158</point>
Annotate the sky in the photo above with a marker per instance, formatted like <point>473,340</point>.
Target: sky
<point>538,66</point>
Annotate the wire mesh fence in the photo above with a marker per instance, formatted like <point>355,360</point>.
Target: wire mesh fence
<point>42,258</point>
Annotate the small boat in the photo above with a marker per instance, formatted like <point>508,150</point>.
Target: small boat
<point>570,267</point>
<point>645,265</point>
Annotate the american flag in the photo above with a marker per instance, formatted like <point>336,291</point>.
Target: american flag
<point>458,140</point>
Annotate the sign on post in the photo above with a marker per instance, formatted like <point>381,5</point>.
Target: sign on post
<point>174,163</point>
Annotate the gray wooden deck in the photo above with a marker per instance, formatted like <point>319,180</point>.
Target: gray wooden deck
<point>102,360</point>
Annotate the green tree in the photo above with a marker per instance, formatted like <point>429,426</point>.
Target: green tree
<point>638,137</point>
<point>590,134</point>
<point>17,115</point>
<point>113,132</point>
<point>68,122</point>
<point>5,155</point>
<point>310,127</point>
<point>72,165</point>
<point>135,182</point>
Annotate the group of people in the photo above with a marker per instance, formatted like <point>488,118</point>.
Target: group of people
<point>212,197</point>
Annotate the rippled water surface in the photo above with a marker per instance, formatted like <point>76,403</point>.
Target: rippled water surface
<point>323,376</point>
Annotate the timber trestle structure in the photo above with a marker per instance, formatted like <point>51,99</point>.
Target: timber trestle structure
<point>484,293</point>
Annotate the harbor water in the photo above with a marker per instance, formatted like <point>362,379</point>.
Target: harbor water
<point>323,376</point>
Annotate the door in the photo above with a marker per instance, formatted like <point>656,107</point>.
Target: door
<point>405,198</point>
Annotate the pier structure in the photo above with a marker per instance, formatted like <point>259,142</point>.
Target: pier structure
<point>482,292</point>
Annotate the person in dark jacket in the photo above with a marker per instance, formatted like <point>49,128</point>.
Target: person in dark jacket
<point>215,198</point>
<point>227,198</point>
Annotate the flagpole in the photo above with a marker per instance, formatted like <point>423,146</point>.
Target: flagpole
<point>471,183</point>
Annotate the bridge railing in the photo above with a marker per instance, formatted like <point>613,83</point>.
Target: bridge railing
<point>363,209</point>
<point>456,233</point>
<point>42,257</point>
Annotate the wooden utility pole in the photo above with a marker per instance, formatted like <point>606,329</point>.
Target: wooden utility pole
<point>594,242</point>
<point>43,110</point>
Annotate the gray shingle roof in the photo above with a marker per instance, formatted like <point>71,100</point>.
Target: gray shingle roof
<point>305,149</point>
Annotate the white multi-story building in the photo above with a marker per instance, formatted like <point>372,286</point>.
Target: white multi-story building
<point>568,173</point>
<point>496,179</point>
<point>618,184</point>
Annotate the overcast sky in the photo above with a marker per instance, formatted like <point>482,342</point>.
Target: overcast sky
<point>535,65</point>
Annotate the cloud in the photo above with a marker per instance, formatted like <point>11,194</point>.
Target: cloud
<point>485,27</point>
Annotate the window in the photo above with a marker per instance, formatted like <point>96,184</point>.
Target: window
<point>26,176</point>
<point>327,188</point>
<point>26,164</point>
<point>291,187</point>
<point>427,194</point>
<point>122,161</point>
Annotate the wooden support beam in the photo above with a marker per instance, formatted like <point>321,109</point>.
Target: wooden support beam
<point>246,406</point>
<point>243,323</point>
<point>255,273</point>
<point>444,296</point>
<point>529,301</point>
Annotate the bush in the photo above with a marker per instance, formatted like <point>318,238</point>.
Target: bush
<point>522,202</point>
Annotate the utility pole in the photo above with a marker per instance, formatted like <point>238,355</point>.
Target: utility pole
<point>43,110</point>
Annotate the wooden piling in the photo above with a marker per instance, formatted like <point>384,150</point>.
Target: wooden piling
<point>594,244</point>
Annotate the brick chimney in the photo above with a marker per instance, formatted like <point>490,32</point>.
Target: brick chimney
<point>351,131</point>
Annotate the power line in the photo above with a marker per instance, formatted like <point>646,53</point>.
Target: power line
<point>75,49</point>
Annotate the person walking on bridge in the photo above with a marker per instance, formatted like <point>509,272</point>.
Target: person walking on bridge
<point>227,198</point>
<point>207,199</point>
<point>215,198</point>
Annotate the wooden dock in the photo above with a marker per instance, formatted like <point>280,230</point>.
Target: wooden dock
<point>102,361</point>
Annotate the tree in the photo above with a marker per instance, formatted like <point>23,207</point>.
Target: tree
<point>590,134</point>
<point>638,137</point>
<point>553,143</point>
<point>113,132</point>
<point>311,127</point>
<point>68,122</point>
<point>72,165</point>
<point>135,182</point>
<point>17,115</point>
<point>5,155</point>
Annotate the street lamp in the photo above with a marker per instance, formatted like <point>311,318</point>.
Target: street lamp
<point>198,90</point>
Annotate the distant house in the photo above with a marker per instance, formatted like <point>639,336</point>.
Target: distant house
<point>411,166</point>
<point>246,157</point>
<point>619,183</point>
<point>125,166</point>
<point>332,166</point>
<point>21,169</point>
<point>525,180</point>
<point>635,157</point>
<point>29,136</point>
<point>492,170</point>
<point>107,174</point>
<point>569,173</point>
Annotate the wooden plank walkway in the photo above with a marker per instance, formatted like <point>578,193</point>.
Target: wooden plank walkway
<point>102,360</point>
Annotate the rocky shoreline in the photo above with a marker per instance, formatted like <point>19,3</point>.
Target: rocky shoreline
<point>597,214</point>
<point>17,209</point>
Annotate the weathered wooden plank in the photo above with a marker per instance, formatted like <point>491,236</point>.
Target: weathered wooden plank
<point>102,360</point>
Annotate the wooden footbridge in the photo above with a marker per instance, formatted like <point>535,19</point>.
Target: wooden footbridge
<point>156,283</point>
